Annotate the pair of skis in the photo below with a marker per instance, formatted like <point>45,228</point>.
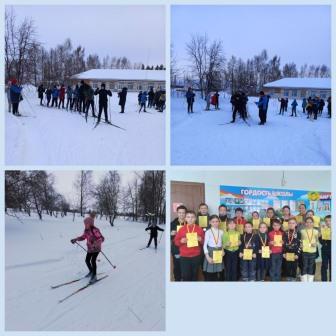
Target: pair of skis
<point>109,123</point>
<point>79,289</point>
<point>228,123</point>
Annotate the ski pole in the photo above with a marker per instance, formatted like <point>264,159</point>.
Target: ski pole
<point>160,237</point>
<point>81,246</point>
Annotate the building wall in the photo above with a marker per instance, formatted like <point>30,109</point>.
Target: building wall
<point>298,93</point>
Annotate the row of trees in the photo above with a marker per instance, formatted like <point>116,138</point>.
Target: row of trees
<point>28,61</point>
<point>212,71</point>
<point>143,196</point>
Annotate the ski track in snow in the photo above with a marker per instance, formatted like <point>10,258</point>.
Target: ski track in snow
<point>52,136</point>
<point>199,139</point>
<point>131,298</point>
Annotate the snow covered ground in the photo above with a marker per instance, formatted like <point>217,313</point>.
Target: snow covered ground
<point>198,139</point>
<point>49,136</point>
<point>39,254</point>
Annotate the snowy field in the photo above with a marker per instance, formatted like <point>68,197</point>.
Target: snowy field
<point>199,139</point>
<point>39,254</point>
<point>51,136</point>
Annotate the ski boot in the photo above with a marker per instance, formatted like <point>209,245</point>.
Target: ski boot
<point>89,275</point>
<point>93,279</point>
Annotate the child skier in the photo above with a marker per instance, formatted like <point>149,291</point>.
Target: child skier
<point>94,239</point>
<point>153,234</point>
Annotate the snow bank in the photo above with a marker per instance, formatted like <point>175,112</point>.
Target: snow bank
<point>39,254</point>
<point>199,139</point>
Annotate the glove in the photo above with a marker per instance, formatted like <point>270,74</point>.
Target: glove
<point>73,241</point>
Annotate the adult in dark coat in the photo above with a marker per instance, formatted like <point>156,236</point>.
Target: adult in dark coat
<point>150,97</point>
<point>81,97</point>
<point>40,91</point>
<point>190,96</point>
<point>237,102</point>
<point>103,100</point>
<point>153,234</point>
<point>122,99</point>
<point>15,96</point>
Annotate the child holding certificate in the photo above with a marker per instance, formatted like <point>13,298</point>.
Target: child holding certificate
<point>276,244</point>
<point>263,255</point>
<point>203,216</point>
<point>239,220</point>
<point>248,253</point>
<point>189,239</point>
<point>291,250</point>
<point>325,240</point>
<point>270,215</point>
<point>256,220</point>
<point>309,238</point>
<point>231,243</point>
<point>213,251</point>
<point>286,215</point>
<point>223,217</point>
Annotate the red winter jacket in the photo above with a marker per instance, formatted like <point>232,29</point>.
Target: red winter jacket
<point>94,239</point>
<point>62,92</point>
<point>185,251</point>
<point>275,249</point>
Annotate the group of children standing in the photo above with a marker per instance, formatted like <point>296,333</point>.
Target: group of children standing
<point>232,249</point>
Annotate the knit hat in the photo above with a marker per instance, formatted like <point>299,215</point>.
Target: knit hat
<point>88,221</point>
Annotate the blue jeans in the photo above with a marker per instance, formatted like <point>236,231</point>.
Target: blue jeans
<point>276,263</point>
<point>248,269</point>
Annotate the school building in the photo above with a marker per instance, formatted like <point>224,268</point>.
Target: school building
<point>116,79</point>
<point>299,88</point>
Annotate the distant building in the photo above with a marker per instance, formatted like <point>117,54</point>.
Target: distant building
<point>116,79</point>
<point>299,87</point>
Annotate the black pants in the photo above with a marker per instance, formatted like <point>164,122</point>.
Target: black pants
<point>190,267</point>
<point>308,263</point>
<point>48,100</point>
<point>41,100</point>
<point>88,104</point>
<point>262,116</point>
<point>293,111</point>
<point>15,108</point>
<point>101,108</point>
<point>276,265</point>
<point>290,268</point>
<point>263,265</point>
<point>177,268</point>
<point>69,102</point>
<point>54,102</point>
<point>231,265</point>
<point>150,241</point>
<point>190,107</point>
<point>61,101</point>
<point>282,110</point>
<point>142,105</point>
<point>234,113</point>
<point>90,261</point>
<point>122,108</point>
<point>326,264</point>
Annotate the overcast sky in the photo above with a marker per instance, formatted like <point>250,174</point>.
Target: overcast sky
<point>300,34</point>
<point>137,32</point>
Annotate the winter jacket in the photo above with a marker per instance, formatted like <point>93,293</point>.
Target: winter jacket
<point>55,93</point>
<point>143,98</point>
<point>294,237</point>
<point>154,230</point>
<point>103,94</point>
<point>62,93</point>
<point>271,235</point>
<point>249,241</point>
<point>69,92</point>
<point>15,93</point>
<point>263,103</point>
<point>40,91</point>
<point>48,93</point>
<point>122,96</point>
<point>304,102</point>
<point>94,239</point>
<point>185,251</point>
<point>190,96</point>
<point>294,103</point>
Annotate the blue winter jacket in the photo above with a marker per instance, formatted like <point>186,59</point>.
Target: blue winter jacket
<point>263,103</point>
<point>55,93</point>
<point>143,97</point>
<point>15,93</point>
<point>294,103</point>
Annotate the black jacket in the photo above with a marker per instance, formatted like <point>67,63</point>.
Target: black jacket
<point>154,230</point>
<point>294,247</point>
<point>103,94</point>
<point>254,243</point>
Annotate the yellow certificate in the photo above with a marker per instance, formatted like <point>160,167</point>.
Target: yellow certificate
<point>203,221</point>
<point>192,239</point>
<point>233,240</point>
<point>247,254</point>
<point>265,252</point>
<point>178,228</point>
<point>240,228</point>
<point>217,257</point>
<point>326,233</point>
<point>299,219</point>
<point>256,223</point>
<point>306,245</point>
<point>267,221</point>
<point>290,256</point>
<point>222,226</point>
<point>317,221</point>
<point>278,240</point>
<point>285,225</point>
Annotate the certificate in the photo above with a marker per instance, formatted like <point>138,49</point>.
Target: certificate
<point>217,257</point>
<point>247,254</point>
<point>326,233</point>
<point>306,246</point>
<point>178,228</point>
<point>233,240</point>
<point>240,228</point>
<point>265,252</point>
<point>317,221</point>
<point>267,221</point>
<point>192,240</point>
<point>290,256</point>
<point>203,221</point>
<point>256,223</point>
<point>278,240</point>
<point>285,225</point>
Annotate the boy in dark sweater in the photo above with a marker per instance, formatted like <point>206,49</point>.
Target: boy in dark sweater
<point>325,241</point>
<point>291,250</point>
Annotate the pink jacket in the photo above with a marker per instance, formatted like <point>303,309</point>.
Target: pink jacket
<point>94,239</point>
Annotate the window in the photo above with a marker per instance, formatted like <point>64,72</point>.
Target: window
<point>111,86</point>
<point>139,86</point>
<point>94,85</point>
<point>313,93</point>
<point>294,93</point>
<point>130,86</point>
<point>286,93</point>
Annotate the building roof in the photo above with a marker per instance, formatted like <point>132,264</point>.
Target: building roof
<point>122,74</point>
<point>306,83</point>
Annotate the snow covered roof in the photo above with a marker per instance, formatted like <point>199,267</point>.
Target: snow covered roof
<point>122,74</point>
<point>307,83</point>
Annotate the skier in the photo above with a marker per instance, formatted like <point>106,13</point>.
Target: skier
<point>294,104</point>
<point>262,105</point>
<point>157,98</point>
<point>54,96</point>
<point>236,101</point>
<point>94,240</point>
<point>75,98</point>
<point>89,100</point>
<point>304,105</point>
<point>69,93</point>
<point>153,234</point>
<point>150,97</point>
<point>139,98</point>
<point>321,104</point>
<point>282,105</point>
<point>40,91</point>
<point>61,95</point>
<point>244,101</point>
<point>81,101</point>
<point>286,104</point>
<point>15,96</point>
<point>122,99</point>
<point>48,93</point>
<point>8,94</point>
<point>103,96</point>
<point>143,101</point>
<point>190,95</point>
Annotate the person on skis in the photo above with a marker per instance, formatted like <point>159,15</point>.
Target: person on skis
<point>103,99</point>
<point>153,233</point>
<point>94,240</point>
<point>122,99</point>
<point>15,96</point>
<point>40,91</point>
